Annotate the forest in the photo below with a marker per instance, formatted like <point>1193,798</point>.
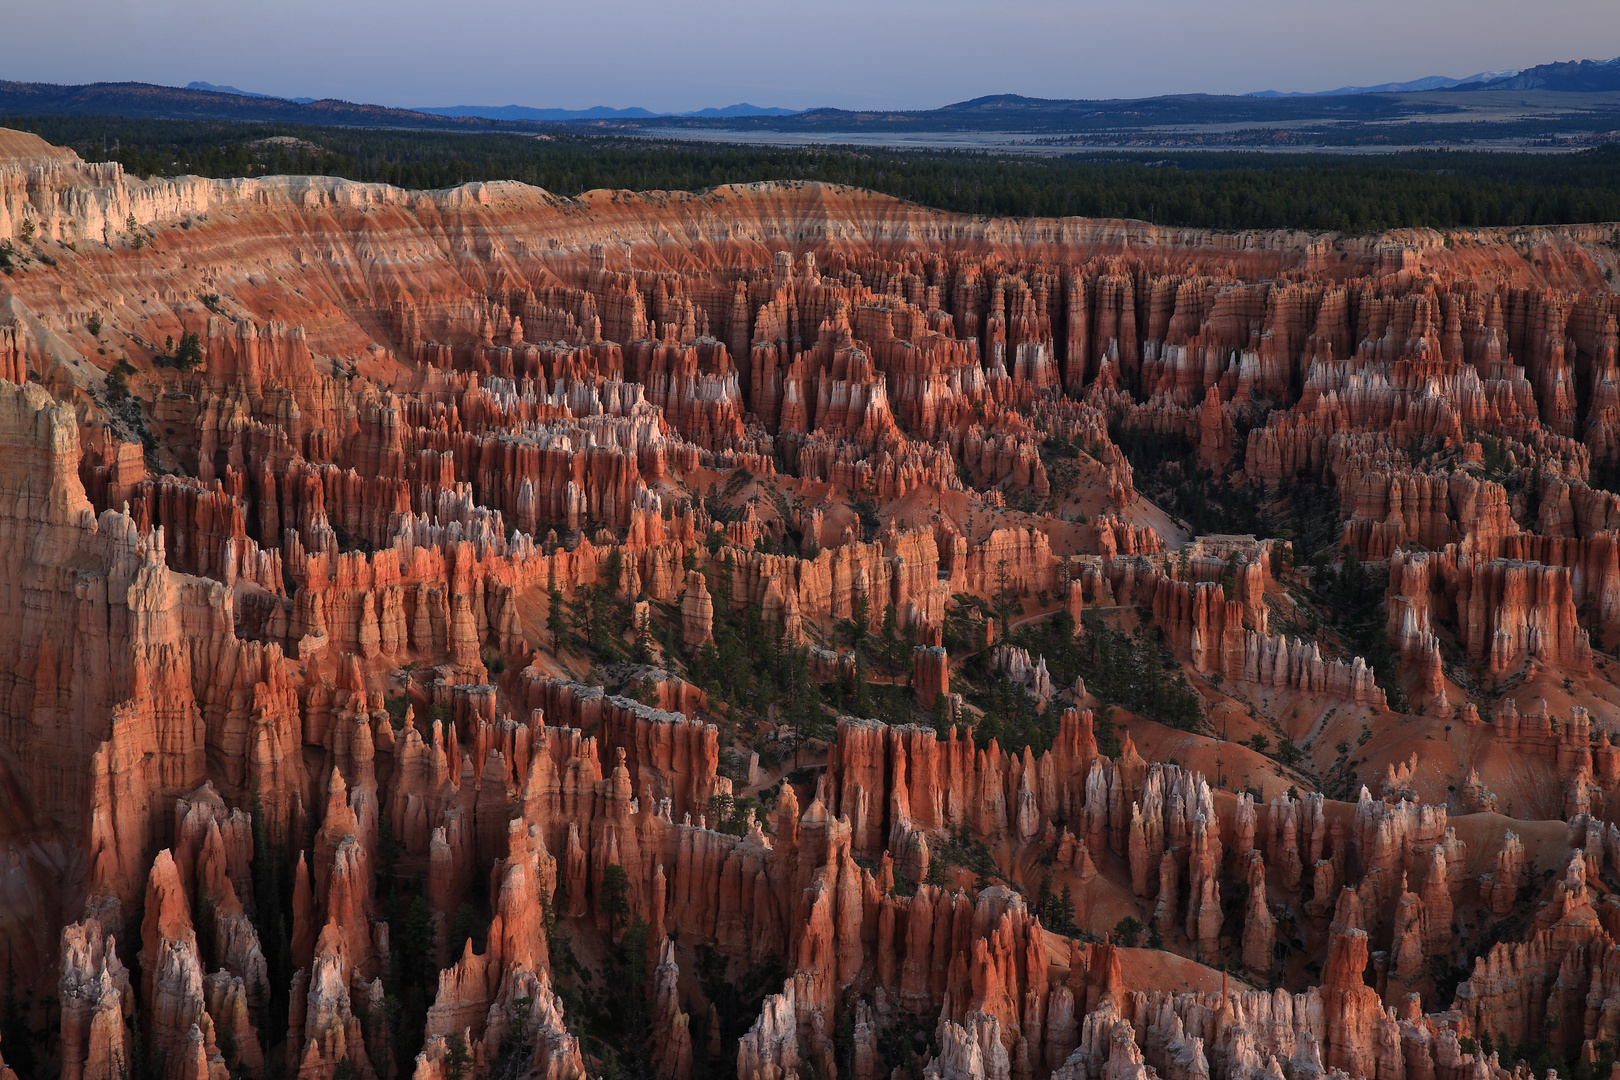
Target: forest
<point>1212,189</point>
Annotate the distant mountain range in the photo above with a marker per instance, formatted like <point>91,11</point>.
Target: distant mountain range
<point>1432,82</point>
<point>525,112</point>
<point>208,101</point>
<point>1572,76</point>
<point>147,101</point>
<point>1436,110</point>
<point>1569,76</point>
<point>599,112</point>
<point>200,85</point>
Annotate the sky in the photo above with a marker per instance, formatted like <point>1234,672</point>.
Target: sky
<point>859,54</point>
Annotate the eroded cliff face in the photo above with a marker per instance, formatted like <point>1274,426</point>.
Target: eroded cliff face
<point>382,651</point>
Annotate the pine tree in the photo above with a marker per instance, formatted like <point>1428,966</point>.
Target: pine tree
<point>722,587</point>
<point>1229,577</point>
<point>1063,912</point>
<point>556,614</point>
<point>601,600</point>
<point>1004,597</point>
<point>642,653</point>
<point>190,352</point>
<point>456,1058</point>
<point>580,619</point>
<point>863,686</point>
<point>860,613</point>
<point>1127,930</point>
<point>890,632</point>
<point>416,942</point>
<point>614,900</point>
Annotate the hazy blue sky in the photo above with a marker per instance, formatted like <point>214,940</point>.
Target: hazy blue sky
<point>850,53</point>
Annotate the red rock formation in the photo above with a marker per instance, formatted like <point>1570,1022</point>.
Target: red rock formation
<point>1258,926</point>
<point>930,676</point>
<point>1222,636</point>
<point>365,507</point>
<point>97,1003</point>
<point>884,776</point>
<point>1351,1007</point>
<point>1503,883</point>
<point>1508,611</point>
<point>672,1038</point>
<point>180,1031</point>
<point>697,611</point>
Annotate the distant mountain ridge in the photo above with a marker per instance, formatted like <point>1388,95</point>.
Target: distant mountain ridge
<point>148,101</point>
<point>525,112</point>
<point>1570,76</point>
<point>1168,121</point>
<point>1430,82</point>
<point>598,112</point>
<point>198,84</point>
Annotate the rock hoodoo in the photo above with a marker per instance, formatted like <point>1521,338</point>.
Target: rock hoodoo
<point>745,615</point>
